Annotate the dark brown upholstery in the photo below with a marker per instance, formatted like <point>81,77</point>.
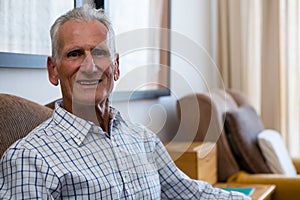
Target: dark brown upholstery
<point>242,126</point>
<point>18,117</point>
<point>212,107</point>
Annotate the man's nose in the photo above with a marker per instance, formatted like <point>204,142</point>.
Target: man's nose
<point>88,64</point>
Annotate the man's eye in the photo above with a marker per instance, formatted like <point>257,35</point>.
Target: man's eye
<point>74,54</point>
<point>99,52</point>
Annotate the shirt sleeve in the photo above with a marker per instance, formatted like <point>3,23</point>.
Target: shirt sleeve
<point>23,175</point>
<point>176,185</point>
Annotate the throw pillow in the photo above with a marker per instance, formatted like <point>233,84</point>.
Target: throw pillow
<point>275,152</point>
<point>242,125</point>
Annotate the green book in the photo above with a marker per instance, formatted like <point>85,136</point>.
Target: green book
<point>246,191</point>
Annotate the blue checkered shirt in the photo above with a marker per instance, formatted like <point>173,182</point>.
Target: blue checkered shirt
<point>67,157</point>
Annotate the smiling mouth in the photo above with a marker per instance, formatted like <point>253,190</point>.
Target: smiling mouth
<point>89,82</point>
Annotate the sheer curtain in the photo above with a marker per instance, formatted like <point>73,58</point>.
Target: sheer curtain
<point>239,48</point>
<point>289,71</point>
<point>258,54</point>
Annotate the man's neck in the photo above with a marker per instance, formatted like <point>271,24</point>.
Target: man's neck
<point>98,114</point>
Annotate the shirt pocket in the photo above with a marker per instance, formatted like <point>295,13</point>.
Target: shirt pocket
<point>134,154</point>
<point>142,184</point>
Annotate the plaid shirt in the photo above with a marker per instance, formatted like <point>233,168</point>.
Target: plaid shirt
<point>68,157</point>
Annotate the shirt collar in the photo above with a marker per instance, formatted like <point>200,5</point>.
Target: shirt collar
<point>78,128</point>
<point>75,126</point>
<point>115,117</point>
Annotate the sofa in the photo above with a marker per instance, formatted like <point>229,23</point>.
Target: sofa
<point>227,118</point>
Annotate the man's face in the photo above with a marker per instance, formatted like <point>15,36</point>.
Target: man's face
<point>84,67</point>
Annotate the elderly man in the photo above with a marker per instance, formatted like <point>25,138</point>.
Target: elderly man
<point>86,150</point>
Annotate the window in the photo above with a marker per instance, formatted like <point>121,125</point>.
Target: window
<point>142,39</point>
<point>25,41</point>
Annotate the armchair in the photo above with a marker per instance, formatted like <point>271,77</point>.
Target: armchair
<point>18,117</point>
<point>239,157</point>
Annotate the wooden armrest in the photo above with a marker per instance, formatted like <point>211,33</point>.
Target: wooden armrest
<point>287,187</point>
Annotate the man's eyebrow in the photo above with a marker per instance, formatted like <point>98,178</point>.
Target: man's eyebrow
<point>73,48</point>
<point>101,47</point>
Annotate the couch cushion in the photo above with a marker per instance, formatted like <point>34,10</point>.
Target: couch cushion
<point>275,152</point>
<point>18,117</point>
<point>242,126</point>
<point>222,101</point>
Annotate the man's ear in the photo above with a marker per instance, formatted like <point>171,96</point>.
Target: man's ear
<point>52,71</point>
<point>116,68</point>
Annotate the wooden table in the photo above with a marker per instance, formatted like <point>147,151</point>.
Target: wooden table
<point>198,160</point>
<point>261,191</point>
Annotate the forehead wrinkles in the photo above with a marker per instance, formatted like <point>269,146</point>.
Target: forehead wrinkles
<point>82,34</point>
